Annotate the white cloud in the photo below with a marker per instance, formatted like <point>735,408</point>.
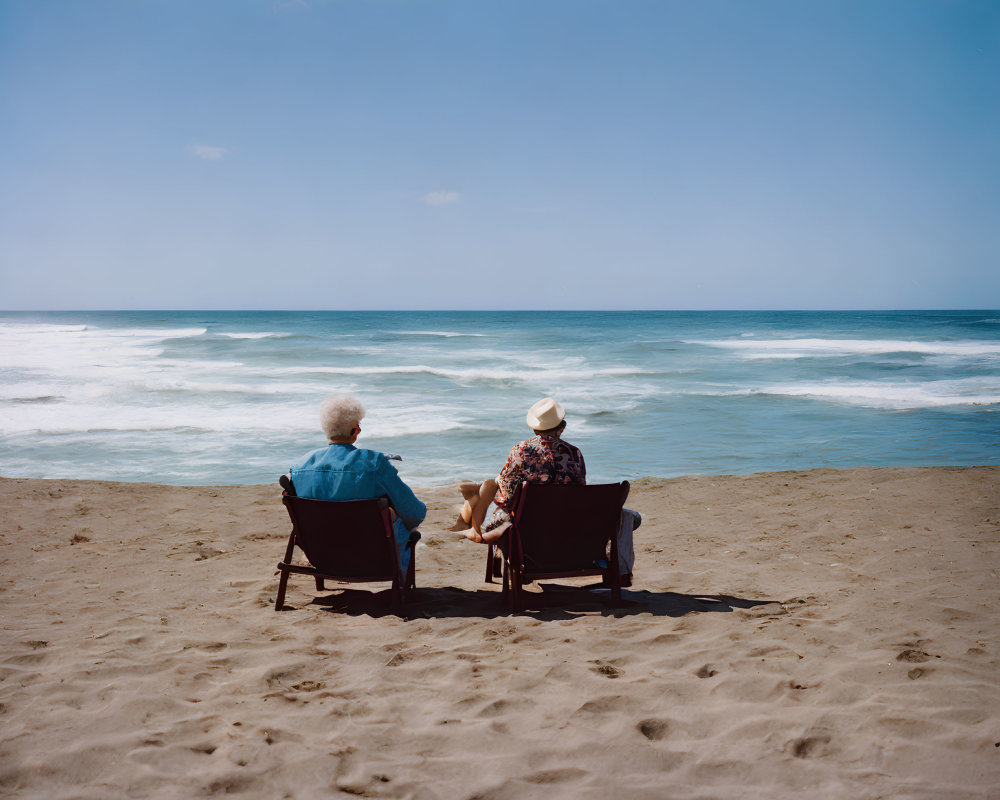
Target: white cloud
<point>209,152</point>
<point>442,197</point>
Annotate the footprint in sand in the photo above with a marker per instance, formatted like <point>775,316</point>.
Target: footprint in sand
<point>230,785</point>
<point>555,775</point>
<point>653,729</point>
<point>915,656</point>
<point>369,787</point>
<point>502,631</point>
<point>278,677</point>
<point>496,708</point>
<point>308,686</point>
<point>206,552</point>
<point>400,658</point>
<point>808,746</point>
<point>706,672</point>
<point>607,670</point>
<point>603,705</point>
<point>209,646</point>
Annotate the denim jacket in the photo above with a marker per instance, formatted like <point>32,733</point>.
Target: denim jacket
<point>346,472</point>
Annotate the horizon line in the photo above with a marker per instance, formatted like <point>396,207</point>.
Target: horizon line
<point>495,310</point>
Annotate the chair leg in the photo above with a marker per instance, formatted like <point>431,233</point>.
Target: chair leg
<point>282,585</point>
<point>320,586</point>
<point>515,591</point>
<point>616,584</point>
<point>489,564</point>
<point>616,576</point>
<point>397,597</point>
<point>283,582</point>
<point>411,571</point>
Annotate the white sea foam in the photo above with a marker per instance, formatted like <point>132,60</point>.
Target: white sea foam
<point>91,416</point>
<point>108,409</point>
<point>894,395</point>
<point>58,348</point>
<point>26,331</point>
<point>259,335</point>
<point>446,334</point>
<point>807,348</point>
<point>471,374</point>
<point>40,327</point>
<point>182,402</point>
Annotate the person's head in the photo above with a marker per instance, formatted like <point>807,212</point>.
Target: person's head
<point>340,416</point>
<point>547,417</point>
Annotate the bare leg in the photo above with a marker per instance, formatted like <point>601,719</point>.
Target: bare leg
<point>470,491</point>
<point>477,501</point>
<point>487,491</point>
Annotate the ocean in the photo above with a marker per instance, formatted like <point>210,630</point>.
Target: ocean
<point>230,397</point>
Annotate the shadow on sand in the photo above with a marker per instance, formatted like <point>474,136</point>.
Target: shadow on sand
<point>554,602</point>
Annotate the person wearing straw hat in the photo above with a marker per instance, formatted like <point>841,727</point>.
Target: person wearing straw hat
<point>545,458</point>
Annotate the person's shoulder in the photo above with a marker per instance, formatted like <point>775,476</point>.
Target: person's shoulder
<point>312,457</point>
<point>572,447</point>
<point>372,459</point>
<point>522,447</point>
<point>367,456</point>
<point>340,457</point>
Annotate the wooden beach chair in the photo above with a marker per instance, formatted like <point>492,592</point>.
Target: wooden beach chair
<point>351,541</point>
<point>560,531</point>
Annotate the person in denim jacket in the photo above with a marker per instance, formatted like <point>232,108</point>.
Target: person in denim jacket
<point>341,471</point>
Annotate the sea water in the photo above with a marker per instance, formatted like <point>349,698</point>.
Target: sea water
<point>206,397</point>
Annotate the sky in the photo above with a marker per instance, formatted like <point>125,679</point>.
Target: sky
<point>499,154</point>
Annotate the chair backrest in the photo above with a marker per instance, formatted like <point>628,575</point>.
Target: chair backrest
<point>351,538</point>
<point>565,527</point>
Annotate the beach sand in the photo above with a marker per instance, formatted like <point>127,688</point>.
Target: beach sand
<point>825,633</point>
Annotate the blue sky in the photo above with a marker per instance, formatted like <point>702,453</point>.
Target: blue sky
<point>513,154</point>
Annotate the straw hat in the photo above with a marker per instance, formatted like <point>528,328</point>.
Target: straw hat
<point>545,414</point>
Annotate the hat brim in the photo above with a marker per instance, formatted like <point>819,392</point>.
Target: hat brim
<point>554,417</point>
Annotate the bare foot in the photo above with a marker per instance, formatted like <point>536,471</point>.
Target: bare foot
<point>464,521</point>
<point>472,536</point>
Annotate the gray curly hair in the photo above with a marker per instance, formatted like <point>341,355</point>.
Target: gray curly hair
<point>338,415</point>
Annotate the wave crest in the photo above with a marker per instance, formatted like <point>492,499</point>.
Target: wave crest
<point>807,348</point>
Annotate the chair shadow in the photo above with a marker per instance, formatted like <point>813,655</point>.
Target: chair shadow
<point>554,602</point>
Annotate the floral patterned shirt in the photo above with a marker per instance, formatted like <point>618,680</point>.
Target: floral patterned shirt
<point>541,459</point>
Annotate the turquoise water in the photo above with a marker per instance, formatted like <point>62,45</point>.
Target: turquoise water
<point>230,397</point>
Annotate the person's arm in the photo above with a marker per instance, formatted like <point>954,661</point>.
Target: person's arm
<point>509,478</point>
<point>407,505</point>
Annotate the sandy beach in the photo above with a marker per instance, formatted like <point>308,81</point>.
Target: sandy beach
<point>824,632</point>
